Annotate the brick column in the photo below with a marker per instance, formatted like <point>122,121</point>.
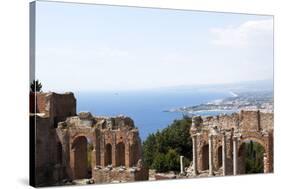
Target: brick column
<point>94,158</point>
<point>234,156</point>
<point>268,156</point>
<point>113,154</point>
<point>102,151</point>
<point>210,156</point>
<point>194,154</point>
<point>223,155</point>
<point>96,150</point>
<point>127,154</point>
<point>265,163</point>
<point>72,152</point>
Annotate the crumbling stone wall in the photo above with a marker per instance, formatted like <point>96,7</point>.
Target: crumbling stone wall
<point>110,136</point>
<point>224,137</point>
<point>61,137</point>
<point>44,114</point>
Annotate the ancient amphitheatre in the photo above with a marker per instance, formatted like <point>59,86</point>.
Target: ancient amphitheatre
<point>62,136</point>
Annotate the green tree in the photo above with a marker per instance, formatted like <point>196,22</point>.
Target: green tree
<point>161,151</point>
<point>173,160</point>
<point>254,157</point>
<point>35,86</point>
<point>160,163</point>
<point>149,148</point>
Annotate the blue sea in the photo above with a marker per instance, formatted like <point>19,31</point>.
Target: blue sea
<point>146,108</point>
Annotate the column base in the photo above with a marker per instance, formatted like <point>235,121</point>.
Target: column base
<point>195,173</point>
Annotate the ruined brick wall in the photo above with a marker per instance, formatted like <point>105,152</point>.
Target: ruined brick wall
<point>62,106</point>
<point>53,105</point>
<point>224,129</point>
<point>42,158</point>
<point>37,103</point>
<point>60,154</point>
<point>105,175</point>
<point>41,104</point>
<point>116,143</point>
<point>48,166</point>
<point>113,175</point>
<point>266,121</point>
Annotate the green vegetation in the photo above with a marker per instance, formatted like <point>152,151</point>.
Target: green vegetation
<point>163,149</point>
<point>35,86</point>
<point>254,157</point>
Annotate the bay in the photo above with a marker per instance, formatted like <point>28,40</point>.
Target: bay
<point>146,108</point>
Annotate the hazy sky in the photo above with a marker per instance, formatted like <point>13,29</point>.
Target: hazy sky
<point>92,47</point>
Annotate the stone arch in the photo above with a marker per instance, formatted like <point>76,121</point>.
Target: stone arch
<point>235,129</point>
<point>257,139</point>
<point>79,157</point>
<point>205,157</point>
<point>243,153</point>
<point>120,154</point>
<point>108,155</point>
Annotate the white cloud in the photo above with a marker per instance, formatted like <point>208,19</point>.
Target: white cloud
<point>250,33</point>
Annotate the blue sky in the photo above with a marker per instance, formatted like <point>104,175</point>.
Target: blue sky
<point>83,47</point>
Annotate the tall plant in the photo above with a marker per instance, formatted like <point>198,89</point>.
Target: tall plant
<point>35,86</point>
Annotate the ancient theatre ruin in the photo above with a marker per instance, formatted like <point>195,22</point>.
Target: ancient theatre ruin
<point>62,138</point>
<point>219,142</point>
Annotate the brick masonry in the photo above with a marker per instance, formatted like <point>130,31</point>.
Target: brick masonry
<point>62,137</point>
<point>218,141</point>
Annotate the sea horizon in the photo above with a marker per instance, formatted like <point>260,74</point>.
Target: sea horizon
<point>146,108</point>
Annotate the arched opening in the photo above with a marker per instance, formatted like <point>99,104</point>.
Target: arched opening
<point>120,154</point>
<point>219,154</point>
<point>108,154</point>
<point>205,157</point>
<point>251,157</point>
<point>80,159</point>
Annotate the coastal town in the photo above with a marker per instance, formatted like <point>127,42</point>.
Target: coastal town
<point>262,100</point>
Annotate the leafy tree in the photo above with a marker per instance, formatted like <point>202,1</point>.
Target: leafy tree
<point>149,148</point>
<point>173,160</point>
<point>161,151</point>
<point>35,86</point>
<point>166,162</point>
<point>160,163</point>
<point>254,157</point>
